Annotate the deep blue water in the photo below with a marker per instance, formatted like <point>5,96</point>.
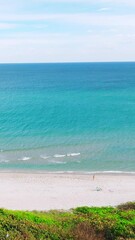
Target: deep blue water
<point>67,117</point>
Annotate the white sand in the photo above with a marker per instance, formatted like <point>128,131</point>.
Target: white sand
<point>36,191</point>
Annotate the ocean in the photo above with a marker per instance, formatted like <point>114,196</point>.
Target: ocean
<point>67,117</point>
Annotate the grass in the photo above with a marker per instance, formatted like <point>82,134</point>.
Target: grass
<point>82,223</point>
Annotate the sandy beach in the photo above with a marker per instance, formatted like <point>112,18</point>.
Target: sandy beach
<point>45,191</point>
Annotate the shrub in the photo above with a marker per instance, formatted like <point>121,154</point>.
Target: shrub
<point>82,223</point>
<point>85,231</point>
<point>127,206</point>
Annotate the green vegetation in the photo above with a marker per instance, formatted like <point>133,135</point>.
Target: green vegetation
<point>82,223</point>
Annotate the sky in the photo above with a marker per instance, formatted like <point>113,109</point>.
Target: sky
<point>67,31</point>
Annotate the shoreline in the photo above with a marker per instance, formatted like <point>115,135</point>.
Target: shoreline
<point>46,191</point>
<point>33,171</point>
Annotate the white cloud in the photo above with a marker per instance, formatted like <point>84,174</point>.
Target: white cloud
<point>129,2</point>
<point>115,2</point>
<point>64,48</point>
<point>80,19</point>
<point>7,26</point>
<point>103,9</point>
<point>89,37</point>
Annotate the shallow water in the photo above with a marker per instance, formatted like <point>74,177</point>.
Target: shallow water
<point>67,117</point>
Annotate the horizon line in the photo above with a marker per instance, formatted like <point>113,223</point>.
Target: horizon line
<point>73,62</point>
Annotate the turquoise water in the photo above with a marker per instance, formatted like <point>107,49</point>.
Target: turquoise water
<point>67,117</point>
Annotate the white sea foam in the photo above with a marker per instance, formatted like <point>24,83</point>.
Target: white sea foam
<point>69,172</point>
<point>93,172</point>
<point>4,161</point>
<point>59,155</point>
<point>57,162</point>
<point>104,172</point>
<point>73,154</point>
<point>24,158</point>
<point>44,157</point>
